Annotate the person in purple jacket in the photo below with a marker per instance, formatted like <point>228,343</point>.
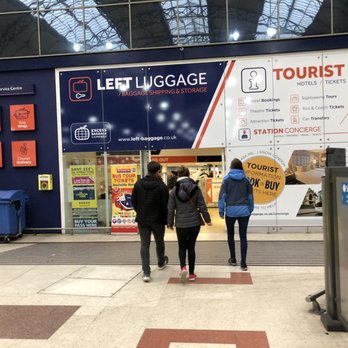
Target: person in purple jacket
<point>236,203</point>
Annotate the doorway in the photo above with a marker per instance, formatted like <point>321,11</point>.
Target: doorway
<point>88,187</point>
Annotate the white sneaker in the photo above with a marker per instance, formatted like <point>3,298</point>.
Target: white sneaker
<point>183,275</point>
<point>146,278</point>
<point>164,264</point>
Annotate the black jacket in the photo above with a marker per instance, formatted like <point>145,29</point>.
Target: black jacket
<point>185,202</point>
<point>150,199</point>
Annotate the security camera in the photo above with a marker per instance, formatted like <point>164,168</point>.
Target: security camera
<point>181,48</point>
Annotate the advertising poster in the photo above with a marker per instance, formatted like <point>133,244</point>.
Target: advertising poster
<point>298,84</point>
<point>0,119</point>
<point>279,114</point>
<point>287,111</point>
<point>22,117</point>
<point>24,153</point>
<point>335,93</point>
<point>83,186</point>
<point>142,108</point>
<point>250,104</point>
<point>123,178</point>
<point>286,100</point>
<point>1,155</point>
<point>284,191</point>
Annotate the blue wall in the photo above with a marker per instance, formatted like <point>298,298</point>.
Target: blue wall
<point>43,208</point>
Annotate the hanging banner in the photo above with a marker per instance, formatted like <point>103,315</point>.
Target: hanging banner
<point>123,178</point>
<point>22,117</point>
<point>24,153</point>
<point>83,186</point>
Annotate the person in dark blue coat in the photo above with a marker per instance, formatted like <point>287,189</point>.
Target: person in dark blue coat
<point>236,203</point>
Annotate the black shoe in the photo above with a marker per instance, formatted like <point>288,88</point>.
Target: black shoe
<point>243,266</point>
<point>164,264</point>
<point>232,262</point>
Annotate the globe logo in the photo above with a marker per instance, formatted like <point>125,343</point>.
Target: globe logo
<point>82,133</point>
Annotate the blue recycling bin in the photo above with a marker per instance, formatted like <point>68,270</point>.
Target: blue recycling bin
<point>12,213</point>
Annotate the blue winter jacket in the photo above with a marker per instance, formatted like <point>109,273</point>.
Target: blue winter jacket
<point>236,195</point>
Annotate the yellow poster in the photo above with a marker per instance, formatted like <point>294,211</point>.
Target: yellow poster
<point>123,178</point>
<point>267,177</point>
<point>83,186</point>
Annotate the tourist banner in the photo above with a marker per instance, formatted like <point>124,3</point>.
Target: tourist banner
<point>286,111</point>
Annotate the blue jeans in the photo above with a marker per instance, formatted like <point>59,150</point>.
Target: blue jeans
<point>243,226</point>
<point>145,237</point>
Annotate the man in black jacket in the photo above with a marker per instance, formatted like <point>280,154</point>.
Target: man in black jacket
<point>150,199</point>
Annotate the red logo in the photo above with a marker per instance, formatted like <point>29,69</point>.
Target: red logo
<point>80,89</point>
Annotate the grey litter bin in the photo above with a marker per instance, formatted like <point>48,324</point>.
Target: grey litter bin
<point>12,214</point>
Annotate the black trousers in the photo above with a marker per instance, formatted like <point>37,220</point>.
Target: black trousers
<point>187,241</point>
<point>145,237</point>
<point>243,226</point>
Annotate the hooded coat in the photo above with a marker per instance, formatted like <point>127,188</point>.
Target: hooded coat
<point>150,199</point>
<point>236,195</point>
<point>185,203</point>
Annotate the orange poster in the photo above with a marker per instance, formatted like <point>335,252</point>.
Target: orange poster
<point>0,154</point>
<point>24,153</point>
<point>123,178</point>
<point>22,117</point>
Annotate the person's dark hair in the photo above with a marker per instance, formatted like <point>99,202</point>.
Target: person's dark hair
<point>236,164</point>
<point>183,171</point>
<point>153,167</point>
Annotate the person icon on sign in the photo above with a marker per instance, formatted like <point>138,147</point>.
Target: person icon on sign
<point>244,135</point>
<point>253,86</point>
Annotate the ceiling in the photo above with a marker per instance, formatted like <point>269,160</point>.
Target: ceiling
<point>101,27</point>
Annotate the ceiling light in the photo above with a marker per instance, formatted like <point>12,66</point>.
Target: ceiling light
<point>271,32</point>
<point>235,35</point>
<point>109,45</point>
<point>77,47</point>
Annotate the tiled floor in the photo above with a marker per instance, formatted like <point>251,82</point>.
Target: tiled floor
<point>33,322</point>
<point>110,306</point>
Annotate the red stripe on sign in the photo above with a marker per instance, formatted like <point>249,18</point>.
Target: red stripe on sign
<point>229,70</point>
